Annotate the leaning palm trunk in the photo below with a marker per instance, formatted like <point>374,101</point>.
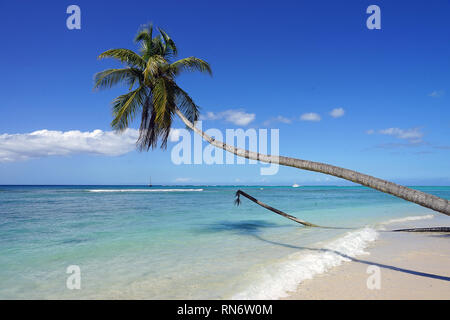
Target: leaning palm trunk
<point>434,229</point>
<point>266,206</point>
<point>419,197</point>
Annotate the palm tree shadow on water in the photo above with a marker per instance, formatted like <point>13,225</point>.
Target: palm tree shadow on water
<point>253,228</point>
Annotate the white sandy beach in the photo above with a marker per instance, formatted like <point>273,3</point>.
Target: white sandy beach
<point>412,266</point>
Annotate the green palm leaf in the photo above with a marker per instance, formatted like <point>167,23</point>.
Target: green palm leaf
<point>145,34</point>
<point>187,105</point>
<point>126,106</point>
<point>190,64</point>
<point>154,64</point>
<point>108,78</point>
<point>170,44</point>
<point>126,56</point>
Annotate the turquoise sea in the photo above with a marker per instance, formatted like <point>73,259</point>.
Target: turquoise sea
<point>190,242</point>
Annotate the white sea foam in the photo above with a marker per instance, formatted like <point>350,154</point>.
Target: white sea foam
<point>145,190</point>
<point>411,218</point>
<point>277,280</point>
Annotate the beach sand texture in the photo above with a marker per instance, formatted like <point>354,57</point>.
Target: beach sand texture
<point>411,265</point>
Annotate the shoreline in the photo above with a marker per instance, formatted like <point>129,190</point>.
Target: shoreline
<point>410,265</point>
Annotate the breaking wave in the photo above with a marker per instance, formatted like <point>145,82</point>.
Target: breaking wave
<point>284,277</point>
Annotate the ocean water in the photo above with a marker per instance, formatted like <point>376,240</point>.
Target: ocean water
<point>135,242</point>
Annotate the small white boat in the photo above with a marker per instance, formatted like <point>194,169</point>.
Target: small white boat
<point>295,185</point>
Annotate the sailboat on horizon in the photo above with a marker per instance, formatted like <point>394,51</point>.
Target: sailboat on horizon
<point>150,182</point>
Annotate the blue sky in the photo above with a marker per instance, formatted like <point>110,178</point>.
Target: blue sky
<point>271,60</point>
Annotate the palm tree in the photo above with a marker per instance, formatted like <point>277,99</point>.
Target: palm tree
<point>153,92</point>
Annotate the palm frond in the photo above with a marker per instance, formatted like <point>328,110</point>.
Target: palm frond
<point>145,34</point>
<point>127,56</point>
<point>153,47</point>
<point>163,94</point>
<point>108,78</point>
<point>187,105</point>
<point>170,44</point>
<point>148,131</point>
<point>190,64</point>
<point>153,66</point>
<point>145,38</point>
<point>125,107</point>
<point>158,46</point>
<point>160,98</point>
<point>156,120</point>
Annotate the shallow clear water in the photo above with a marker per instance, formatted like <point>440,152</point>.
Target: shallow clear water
<point>179,242</point>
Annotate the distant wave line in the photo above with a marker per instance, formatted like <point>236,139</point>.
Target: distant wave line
<point>145,190</point>
<point>410,218</point>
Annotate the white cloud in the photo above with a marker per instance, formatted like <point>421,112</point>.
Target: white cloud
<point>183,180</point>
<point>279,119</point>
<point>413,134</point>
<point>210,116</point>
<point>437,93</point>
<point>311,116</point>
<point>44,143</point>
<point>237,116</point>
<point>337,112</point>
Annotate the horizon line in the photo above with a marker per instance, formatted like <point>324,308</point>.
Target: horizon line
<point>211,185</point>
